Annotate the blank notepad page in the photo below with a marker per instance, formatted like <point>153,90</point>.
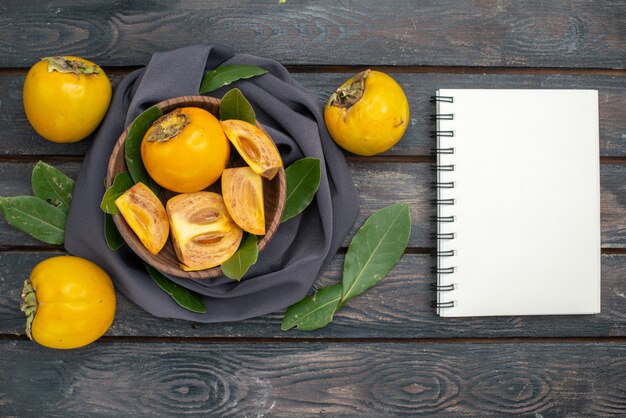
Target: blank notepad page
<point>522,188</point>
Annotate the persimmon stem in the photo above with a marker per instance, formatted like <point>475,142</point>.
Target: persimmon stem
<point>29,305</point>
<point>70,66</point>
<point>351,92</point>
<point>168,126</point>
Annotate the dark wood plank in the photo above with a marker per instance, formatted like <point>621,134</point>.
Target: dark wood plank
<point>398,307</point>
<point>419,87</point>
<point>397,181</point>
<point>487,33</point>
<point>130,379</point>
<point>18,137</point>
<point>378,184</point>
<point>613,194</point>
<point>16,134</point>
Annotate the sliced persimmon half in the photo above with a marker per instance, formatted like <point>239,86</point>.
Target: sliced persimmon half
<point>145,215</point>
<point>254,146</point>
<point>242,190</point>
<point>203,233</point>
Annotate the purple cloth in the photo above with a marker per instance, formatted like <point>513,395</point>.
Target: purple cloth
<point>301,247</point>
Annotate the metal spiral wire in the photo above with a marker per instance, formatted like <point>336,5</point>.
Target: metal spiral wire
<point>440,201</point>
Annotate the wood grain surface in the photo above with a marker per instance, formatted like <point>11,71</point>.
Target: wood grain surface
<point>348,32</point>
<point>397,308</point>
<point>343,379</point>
<point>18,138</point>
<point>386,353</point>
<point>378,184</point>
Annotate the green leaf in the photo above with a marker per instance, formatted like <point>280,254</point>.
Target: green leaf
<point>235,106</point>
<point>303,180</point>
<point>237,265</point>
<point>121,183</point>
<point>132,147</point>
<point>223,76</point>
<point>313,312</point>
<point>111,234</point>
<point>36,217</point>
<point>53,186</point>
<point>375,249</point>
<point>184,297</point>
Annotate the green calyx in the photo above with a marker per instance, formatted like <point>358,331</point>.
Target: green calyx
<point>29,306</point>
<point>70,66</point>
<point>350,92</point>
<point>168,126</point>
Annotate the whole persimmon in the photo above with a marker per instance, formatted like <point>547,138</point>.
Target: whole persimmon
<point>368,114</point>
<point>185,150</point>
<point>66,98</point>
<point>69,302</point>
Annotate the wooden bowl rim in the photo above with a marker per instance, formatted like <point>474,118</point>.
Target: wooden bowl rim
<point>131,239</point>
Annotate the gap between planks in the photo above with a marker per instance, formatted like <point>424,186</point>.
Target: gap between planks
<point>408,159</point>
<point>416,69</point>
<point>426,69</point>
<point>342,250</point>
<point>308,340</point>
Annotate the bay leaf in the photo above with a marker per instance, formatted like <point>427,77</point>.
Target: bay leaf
<point>132,147</point>
<point>245,256</point>
<point>52,185</point>
<point>111,234</point>
<point>235,106</point>
<point>303,180</point>
<point>313,312</point>
<point>375,249</point>
<point>121,183</point>
<point>223,76</point>
<point>35,217</point>
<point>184,297</point>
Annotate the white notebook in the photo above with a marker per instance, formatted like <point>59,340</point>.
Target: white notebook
<point>518,202</point>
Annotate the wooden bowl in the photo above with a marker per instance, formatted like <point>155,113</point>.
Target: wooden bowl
<point>166,261</point>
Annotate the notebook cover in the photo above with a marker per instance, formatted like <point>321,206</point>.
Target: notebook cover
<point>526,202</point>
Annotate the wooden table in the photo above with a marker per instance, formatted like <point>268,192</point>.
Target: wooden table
<point>386,353</point>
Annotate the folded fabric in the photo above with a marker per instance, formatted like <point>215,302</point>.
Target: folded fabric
<point>301,247</point>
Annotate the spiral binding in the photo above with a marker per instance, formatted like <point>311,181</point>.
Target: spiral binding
<point>442,134</point>
<point>442,288</point>
<point>441,201</point>
<point>440,305</point>
<point>442,218</point>
<point>437,151</point>
<point>446,99</point>
<point>443,185</point>
<point>442,167</point>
